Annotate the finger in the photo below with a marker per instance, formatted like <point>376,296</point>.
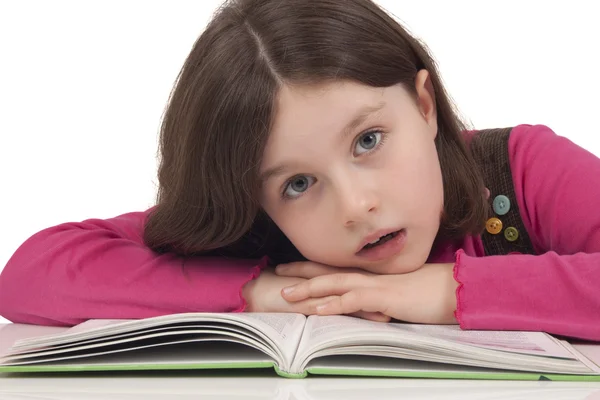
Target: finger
<point>327,285</point>
<point>309,306</point>
<point>306,270</point>
<point>371,316</point>
<point>362,299</point>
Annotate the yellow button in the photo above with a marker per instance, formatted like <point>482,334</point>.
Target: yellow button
<point>511,234</point>
<point>493,226</point>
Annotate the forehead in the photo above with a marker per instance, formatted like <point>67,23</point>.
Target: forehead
<point>296,102</point>
<point>302,111</point>
<point>323,110</point>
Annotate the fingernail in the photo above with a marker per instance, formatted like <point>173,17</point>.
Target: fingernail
<point>322,307</point>
<point>288,290</point>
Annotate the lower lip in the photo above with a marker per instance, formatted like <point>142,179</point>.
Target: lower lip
<point>386,250</point>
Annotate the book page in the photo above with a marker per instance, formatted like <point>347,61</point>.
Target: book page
<point>588,352</point>
<point>537,343</point>
<point>328,331</point>
<point>139,342</point>
<point>322,329</point>
<point>284,328</point>
<point>513,341</point>
<point>10,333</point>
<point>278,331</point>
<point>179,354</point>
<point>430,342</point>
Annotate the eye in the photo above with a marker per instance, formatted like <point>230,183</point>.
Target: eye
<point>296,186</point>
<point>368,141</point>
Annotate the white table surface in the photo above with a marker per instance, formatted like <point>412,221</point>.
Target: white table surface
<point>194,385</point>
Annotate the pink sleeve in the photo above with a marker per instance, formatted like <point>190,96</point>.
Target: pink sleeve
<point>72,272</point>
<point>557,185</point>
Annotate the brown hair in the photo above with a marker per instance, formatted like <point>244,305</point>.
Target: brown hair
<point>220,112</point>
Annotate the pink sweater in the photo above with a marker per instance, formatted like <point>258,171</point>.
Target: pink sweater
<point>72,272</point>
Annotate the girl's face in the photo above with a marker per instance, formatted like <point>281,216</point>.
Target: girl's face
<point>346,163</point>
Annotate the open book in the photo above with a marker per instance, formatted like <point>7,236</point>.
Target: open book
<point>294,346</point>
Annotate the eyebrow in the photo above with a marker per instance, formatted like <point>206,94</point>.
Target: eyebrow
<point>360,117</point>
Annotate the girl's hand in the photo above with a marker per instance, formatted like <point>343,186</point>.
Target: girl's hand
<point>427,295</point>
<point>263,294</point>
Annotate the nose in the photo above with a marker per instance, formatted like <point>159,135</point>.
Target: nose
<point>357,201</point>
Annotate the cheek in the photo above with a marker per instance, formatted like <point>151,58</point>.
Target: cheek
<point>312,236</point>
<point>299,228</point>
<point>416,184</point>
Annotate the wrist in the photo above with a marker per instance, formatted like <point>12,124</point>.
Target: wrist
<point>247,293</point>
<point>451,300</point>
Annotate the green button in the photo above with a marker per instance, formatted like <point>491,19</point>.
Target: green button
<point>511,234</point>
<point>501,204</point>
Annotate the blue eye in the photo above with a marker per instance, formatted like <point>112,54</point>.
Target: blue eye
<point>298,184</point>
<point>368,141</point>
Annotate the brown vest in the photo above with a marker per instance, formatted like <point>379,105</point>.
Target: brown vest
<point>505,232</point>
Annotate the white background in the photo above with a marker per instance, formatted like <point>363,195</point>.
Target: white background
<point>83,86</point>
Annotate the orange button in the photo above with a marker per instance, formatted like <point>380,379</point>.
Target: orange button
<point>493,226</point>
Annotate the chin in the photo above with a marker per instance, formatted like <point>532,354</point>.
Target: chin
<point>339,262</point>
<point>404,269</point>
<point>407,263</point>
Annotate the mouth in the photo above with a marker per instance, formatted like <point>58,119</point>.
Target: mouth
<point>381,240</point>
<point>382,244</point>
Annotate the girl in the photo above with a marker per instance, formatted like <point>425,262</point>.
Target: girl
<point>316,137</point>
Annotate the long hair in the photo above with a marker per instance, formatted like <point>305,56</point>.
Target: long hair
<point>221,109</point>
